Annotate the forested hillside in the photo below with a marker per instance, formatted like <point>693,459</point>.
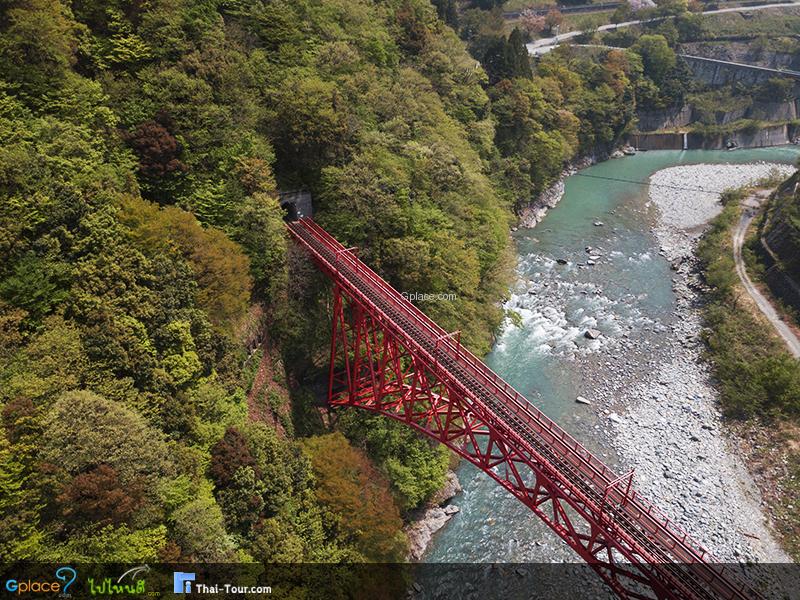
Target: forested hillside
<point>143,257</point>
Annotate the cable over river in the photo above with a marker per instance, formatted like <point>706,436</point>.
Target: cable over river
<point>600,260</point>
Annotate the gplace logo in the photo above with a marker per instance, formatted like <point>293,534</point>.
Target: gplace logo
<point>65,575</point>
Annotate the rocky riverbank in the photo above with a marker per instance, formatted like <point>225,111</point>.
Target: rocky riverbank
<point>532,214</point>
<point>670,430</point>
<point>647,397</point>
<point>431,518</point>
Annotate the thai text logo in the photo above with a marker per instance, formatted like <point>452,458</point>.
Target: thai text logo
<point>108,587</point>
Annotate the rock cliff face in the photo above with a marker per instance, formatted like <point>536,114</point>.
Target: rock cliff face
<point>716,72</point>
<point>743,52</point>
<point>669,118</point>
<point>774,135</point>
<point>708,62</point>
<point>678,117</point>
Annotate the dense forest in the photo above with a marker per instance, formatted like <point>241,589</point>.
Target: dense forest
<point>147,285</point>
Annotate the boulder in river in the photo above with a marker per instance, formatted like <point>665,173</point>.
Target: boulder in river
<point>561,261</point>
<point>592,334</point>
<point>582,400</point>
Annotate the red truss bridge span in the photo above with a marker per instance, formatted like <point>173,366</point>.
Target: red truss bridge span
<point>389,358</point>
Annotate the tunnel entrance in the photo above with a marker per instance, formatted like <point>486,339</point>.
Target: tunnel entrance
<point>291,212</point>
<point>296,204</point>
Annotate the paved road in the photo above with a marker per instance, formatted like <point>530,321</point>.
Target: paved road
<point>751,204</point>
<point>544,45</point>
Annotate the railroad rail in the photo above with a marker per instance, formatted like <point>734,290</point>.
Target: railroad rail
<point>389,357</point>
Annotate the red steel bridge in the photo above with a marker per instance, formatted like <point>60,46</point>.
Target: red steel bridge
<point>389,358</point>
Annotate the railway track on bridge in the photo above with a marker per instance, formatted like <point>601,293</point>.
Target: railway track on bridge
<point>669,562</point>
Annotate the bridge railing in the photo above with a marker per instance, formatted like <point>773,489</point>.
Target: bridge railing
<point>549,432</point>
<point>594,469</point>
<point>600,473</point>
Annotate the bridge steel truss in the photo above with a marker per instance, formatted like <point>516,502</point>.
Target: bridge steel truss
<point>390,358</point>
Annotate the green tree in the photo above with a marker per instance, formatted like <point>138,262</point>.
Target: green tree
<point>360,507</point>
<point>38,45</point>
<point>219,265</point>
<point>415,466</point>
<point>36,285</point>
<point>260,230</point>
<point>20,538</point>
<point>199,531</point>
<point>657,57</point>
<point>507,58</point>
<point>113,544</point>
<point>83,430</point>
<point>447,11</point>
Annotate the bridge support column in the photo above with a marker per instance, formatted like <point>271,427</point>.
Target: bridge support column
<point>373,369</point>
<point>389,358</point>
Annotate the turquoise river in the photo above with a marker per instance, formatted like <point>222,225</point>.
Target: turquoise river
<point>547,358</point>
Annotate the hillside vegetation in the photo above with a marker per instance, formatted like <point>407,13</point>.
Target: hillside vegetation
<point>759,381</point>
<point>781,230</point>
<point>757,376</point>
<point>143,256</point>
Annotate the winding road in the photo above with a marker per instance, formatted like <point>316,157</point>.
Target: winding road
<point>751,205</point>
<point>544,45</point>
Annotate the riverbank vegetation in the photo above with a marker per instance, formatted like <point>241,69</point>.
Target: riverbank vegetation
<point>759,381</point>
<point>757,376</point>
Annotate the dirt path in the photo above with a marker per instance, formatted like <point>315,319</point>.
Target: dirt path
<point>751,204</point>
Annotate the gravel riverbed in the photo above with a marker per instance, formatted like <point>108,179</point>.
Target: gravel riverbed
<point>662,412</point>
<point>647,399</point>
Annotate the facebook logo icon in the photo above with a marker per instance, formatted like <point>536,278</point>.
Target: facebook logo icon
<point>182,582</point>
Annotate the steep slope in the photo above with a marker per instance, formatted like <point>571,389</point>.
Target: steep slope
<point>780,243</point>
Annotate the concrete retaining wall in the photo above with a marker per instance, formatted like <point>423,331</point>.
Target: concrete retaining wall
<point>657,141</point>
<point>775,135</point>
<point>716,73</point>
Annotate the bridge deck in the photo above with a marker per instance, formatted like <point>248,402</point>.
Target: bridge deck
<point>657,541</point>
